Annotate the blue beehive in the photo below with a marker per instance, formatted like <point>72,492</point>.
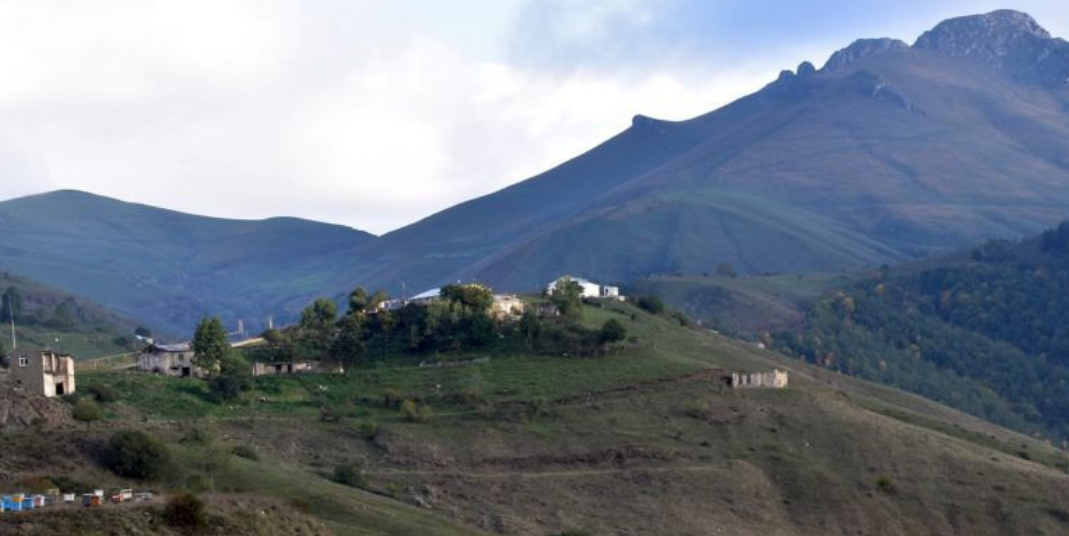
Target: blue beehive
<point>27,504</point>
<point>10,505</point>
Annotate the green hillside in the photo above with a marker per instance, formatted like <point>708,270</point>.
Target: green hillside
<point>167,268</point>
<point>642,439</point>
<point>985,332</point>
<point>747,306</point>
<point>53,319</point>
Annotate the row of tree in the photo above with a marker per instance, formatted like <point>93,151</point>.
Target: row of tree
<point>459,319</point>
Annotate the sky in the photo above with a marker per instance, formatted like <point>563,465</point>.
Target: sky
<point>377,113</point>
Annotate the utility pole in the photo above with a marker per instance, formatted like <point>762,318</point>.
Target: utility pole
<point>14,338</point>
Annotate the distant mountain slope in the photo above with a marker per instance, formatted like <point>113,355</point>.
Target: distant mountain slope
<point>987,332</point>
<point>888,153</point>
<point>49,318</point>
<point>167,268</point>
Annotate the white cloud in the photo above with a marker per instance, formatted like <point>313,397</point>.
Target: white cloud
<point>320,110</point>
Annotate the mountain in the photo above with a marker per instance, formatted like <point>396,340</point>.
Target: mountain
<point>889,152</point>
<point>985,331</point>
<point>165,268</point>
<point>49,318</point>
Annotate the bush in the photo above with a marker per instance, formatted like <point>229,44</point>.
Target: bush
<point>241,451</point>
<point>613,331</point>
<point>185,511</point>
<point>651,304</point>
<point>102,393</point>
<point>135,454</point>
<point>414,411</point>
<point>347,474</point>
<point>884,484</point>
<point>369,429</point>
<point>87,411</point>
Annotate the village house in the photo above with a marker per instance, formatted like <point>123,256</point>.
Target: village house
<point>169,360</point>
<point>590,289</point>
<point>45,373</point>
<point>506,307</point>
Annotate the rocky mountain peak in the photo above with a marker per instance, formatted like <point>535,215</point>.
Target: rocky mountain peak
<point>862,48</point>
<point>990,38</point>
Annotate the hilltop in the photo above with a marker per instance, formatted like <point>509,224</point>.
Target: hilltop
<point>167,268</point>
<point>49,318</point>
<point>642,440</point>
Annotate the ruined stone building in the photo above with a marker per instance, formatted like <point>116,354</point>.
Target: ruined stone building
<point>776,379</point>
<point>45,373</point>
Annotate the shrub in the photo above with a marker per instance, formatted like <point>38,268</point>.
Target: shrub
<point>651,304</point>
<point>135,454</point>
<point>347,474</point>
<point>884,484</point>
<point>86,411</point>
<point>198,436</point>
<point>613,331</point>
<point>414,411</point>
<point>102,393</point>
<point>185,510</point>
<point>241,451</point>
<point>369,429</point>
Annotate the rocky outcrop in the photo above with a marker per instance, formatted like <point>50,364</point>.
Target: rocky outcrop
<point>21,409</point>
<point>1008,40</point>
<point>863,48</point>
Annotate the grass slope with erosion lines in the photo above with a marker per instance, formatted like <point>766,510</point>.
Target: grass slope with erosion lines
<point>641,441</point>
<point>81,327</point>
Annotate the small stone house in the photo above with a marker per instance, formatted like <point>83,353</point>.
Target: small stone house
<point>282,368</point>
<point>169,360</point>
<point>46,373</point>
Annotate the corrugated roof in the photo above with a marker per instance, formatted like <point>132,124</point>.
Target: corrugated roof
<point>432,293</point>
<point>173,348</point>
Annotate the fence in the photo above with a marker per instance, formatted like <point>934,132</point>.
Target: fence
<point>113,362</point>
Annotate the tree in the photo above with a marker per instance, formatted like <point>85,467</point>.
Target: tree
<point>142,331</point>
<point>567,295</point>
<point>348,347</point>
<point>317,322</point>
<point>10,304</point>
<point>358,301</point>
<point>612,331</point>
<point>136,454</point>
<point>87,411</point>
<point>210,345</point>
<point>472,296</point>
<point>531,327</point>
<point>233,378</point>
<point>185,511</point>
<point>651,304</point>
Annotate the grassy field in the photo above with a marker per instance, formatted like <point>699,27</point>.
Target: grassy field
<point>642,441</point>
